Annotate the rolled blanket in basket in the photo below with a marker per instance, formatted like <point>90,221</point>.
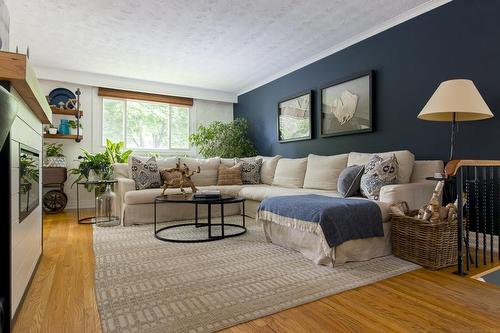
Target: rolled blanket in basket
<point>340,219</point>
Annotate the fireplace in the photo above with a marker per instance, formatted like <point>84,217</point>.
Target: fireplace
<point>29,184</point>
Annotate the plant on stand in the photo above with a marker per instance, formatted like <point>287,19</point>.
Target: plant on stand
<point>94,167</point>
<point>225,140</point>
<point>54,155</point>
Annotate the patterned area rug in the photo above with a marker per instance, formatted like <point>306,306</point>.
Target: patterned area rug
<point>146,285</point>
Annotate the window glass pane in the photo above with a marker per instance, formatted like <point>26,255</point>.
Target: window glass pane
<point>112,120</point>
<point>180,127</point>
<point>147,125</point>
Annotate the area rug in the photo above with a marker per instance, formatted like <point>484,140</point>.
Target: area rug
<point>146,285</point>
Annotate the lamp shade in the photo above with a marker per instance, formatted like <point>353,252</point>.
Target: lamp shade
<point>459,98</point>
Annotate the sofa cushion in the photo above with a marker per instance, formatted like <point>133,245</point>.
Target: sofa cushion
<point>250,169</point>
<point>378,173</point>
<point>167,163</point>
<point>290,172</point>
<point>144,172</point>
<point>229,175</point>
<point>229,162</point>
<point>405,159</point>
<point>323,172</point>
<point>350,180</point>
<point>268,168</point>
<point>209,168</point>
<point>120,170</point>
<point>260,192</point>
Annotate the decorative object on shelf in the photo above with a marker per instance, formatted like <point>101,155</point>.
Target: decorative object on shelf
<point>71,104</point>
<point>73,129</point>
<point>180,178</point>
<point>295,117</point>
<point>52,130</point>
<point>346,106</point>
<point>64,127</point>
<point>60,96</point>
<point>104,204</point>
<point>226,140</point>
<point>455,100</point>
<point>54,157</point>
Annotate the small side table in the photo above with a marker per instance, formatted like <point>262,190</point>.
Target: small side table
<point>90,219</point>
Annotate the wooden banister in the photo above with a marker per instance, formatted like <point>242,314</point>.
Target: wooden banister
<point>452,167</point>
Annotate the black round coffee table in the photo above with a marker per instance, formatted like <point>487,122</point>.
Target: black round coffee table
<point>189,199</point>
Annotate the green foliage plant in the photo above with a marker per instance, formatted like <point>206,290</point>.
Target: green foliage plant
<point>54,149</point>
<point>225,140</point>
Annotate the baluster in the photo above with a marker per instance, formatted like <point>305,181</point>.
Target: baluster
<point>476,212</point>
<point>483,210</point>
<point>468,215</point>
<point>492,209</point>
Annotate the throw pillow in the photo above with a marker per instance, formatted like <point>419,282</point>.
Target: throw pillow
<point>144,172</point>
<point>350,180</point>
<point>250,169</point>
<point>229,175</point>
<point>378,172</point>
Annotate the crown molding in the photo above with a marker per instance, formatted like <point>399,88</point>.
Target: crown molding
<point>116,82</point>
<point>414,12</point>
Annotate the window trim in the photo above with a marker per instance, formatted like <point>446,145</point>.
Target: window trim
<point>186,151</point>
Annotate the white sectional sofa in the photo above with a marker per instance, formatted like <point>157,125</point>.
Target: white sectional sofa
<point>279,176</point>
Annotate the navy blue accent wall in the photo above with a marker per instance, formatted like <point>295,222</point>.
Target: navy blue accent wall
<point>458,40</point>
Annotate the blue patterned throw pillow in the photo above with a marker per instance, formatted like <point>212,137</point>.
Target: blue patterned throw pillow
<point>378,172</point>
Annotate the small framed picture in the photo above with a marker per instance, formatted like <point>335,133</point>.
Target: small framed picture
<point>346,106</point>
<point>294,117</point>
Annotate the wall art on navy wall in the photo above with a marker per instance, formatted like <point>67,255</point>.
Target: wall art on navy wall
<point>346,106</point>
<point>294,118</point>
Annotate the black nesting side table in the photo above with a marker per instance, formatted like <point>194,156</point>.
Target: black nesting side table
<point>189,199</point>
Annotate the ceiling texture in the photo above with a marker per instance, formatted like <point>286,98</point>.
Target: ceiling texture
<point>224,45</point>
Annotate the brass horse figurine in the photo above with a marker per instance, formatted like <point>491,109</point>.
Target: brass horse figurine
<point>182,178</point>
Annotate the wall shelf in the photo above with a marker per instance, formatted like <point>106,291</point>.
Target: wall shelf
<point>62,136</point>
<point>65,112</point>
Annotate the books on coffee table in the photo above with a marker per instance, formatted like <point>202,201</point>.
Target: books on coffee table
<point>207,194</point>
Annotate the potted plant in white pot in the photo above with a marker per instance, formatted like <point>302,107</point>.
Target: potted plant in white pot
<point>52,130</point>
<point>54,156</point>
<point>72,127</point>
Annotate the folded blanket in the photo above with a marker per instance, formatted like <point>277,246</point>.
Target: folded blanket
<point>340,219</point>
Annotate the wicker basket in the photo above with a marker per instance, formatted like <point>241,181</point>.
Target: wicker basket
<point>429,244</point>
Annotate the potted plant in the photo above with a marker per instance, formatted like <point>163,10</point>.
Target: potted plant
<point>72,127</point>
<point>54,155</point>
<point>225,140</point>
<point>52,130</point>
<point>99,166</point>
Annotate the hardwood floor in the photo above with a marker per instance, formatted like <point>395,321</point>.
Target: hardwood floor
<point>61,297</point>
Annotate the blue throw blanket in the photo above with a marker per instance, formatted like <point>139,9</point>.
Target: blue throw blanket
<point>340,219</point>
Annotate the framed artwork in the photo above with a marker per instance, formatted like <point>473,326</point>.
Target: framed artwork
<point>346,106</point>
<point>294,118</point>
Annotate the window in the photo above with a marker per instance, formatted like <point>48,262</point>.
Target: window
<point>145,125</point>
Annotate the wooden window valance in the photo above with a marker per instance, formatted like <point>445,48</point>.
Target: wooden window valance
<point>116,93</point>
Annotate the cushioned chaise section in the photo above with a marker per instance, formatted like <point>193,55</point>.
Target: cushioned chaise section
<point>312,244</point>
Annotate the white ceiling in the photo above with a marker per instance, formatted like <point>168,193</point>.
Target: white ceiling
<point>224,45</point>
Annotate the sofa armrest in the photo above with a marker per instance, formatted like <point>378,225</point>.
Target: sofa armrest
<point>415,194</point>
<point>123,186</point>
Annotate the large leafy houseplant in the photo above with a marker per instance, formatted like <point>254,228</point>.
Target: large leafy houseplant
<point>226,140</point>
<point>101,163</point>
